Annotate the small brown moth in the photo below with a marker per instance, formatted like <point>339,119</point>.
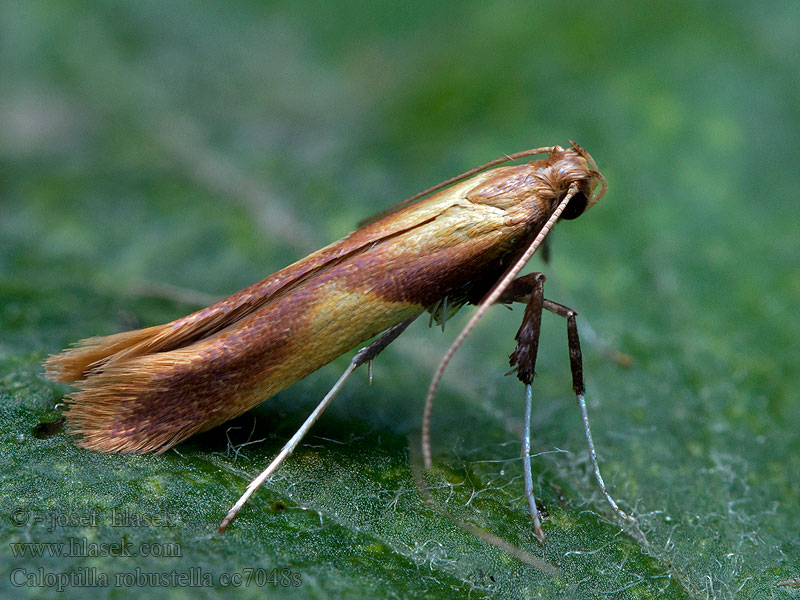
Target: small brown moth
<point>149,389</point>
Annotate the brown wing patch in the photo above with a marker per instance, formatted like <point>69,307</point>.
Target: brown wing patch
<point>95,354</point>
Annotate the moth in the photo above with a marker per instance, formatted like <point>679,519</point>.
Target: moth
<point>461,242</point>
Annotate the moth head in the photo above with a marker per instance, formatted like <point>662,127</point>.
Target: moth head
<point>576,167</point>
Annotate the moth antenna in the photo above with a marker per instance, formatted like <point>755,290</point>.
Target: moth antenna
<point>492,163</point>
<point>490,299</point>
<point>457,178</point>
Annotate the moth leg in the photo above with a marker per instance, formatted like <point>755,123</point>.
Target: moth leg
<point>520,289</point>
<point>524,359</point>
<point>366,354</point>
<point>576,366</point>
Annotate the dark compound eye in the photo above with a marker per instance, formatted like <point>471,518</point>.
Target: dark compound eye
<point>575,207</point>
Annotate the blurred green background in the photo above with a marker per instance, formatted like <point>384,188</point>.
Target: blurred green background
<point>155,155</point>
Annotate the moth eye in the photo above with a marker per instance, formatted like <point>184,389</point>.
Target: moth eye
<point>575,207</point>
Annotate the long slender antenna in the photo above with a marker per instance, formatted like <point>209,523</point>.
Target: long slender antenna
<point>492,163</point>
<point>457,178</point>
<point>490,299</point>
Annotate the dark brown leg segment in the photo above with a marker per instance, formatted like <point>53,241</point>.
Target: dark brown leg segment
<point>530,289</point>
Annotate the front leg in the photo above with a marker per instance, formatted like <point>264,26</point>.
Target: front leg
<point>530,289</point>
<point>576,366</point>
<point>523,359</point>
